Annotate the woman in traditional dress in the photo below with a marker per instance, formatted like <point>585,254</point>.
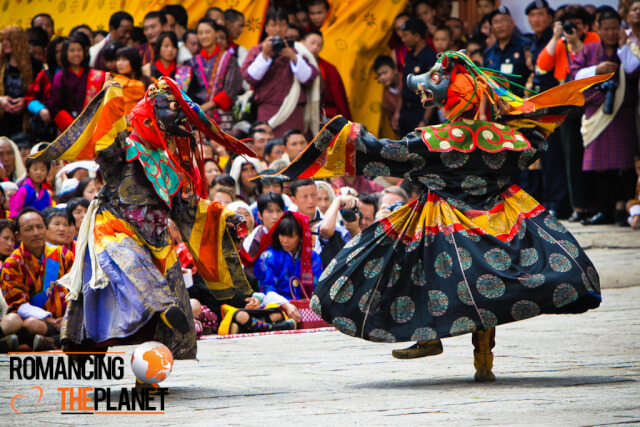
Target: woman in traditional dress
<point>127,285</point>
<point>473,251</point>
<point>215,79</point>
<point>75,85</point>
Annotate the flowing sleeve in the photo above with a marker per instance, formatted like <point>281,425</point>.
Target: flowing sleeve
<point>95,129</point>
<point>205,229</point>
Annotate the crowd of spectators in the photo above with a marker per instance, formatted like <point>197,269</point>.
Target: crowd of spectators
<point>275,95</point>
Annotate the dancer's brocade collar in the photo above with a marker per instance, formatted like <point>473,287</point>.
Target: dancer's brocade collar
<point>157,166</point>
<point>465,135</point>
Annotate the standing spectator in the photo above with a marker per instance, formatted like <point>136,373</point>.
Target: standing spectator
<point>44,21</point>
<point>610,142</point>
<point>152,25</point>
<point>556,57</point>
<point>215,80</point>
<point>419,60</point>
<point>326,196</point>
<point>459,40</point>
<point>443,40</point>
<point>75,85</point>
<point>334,233</point>
<point>86,30</point>
<point>388,76</point>
<point>120,27</point>
<point>368,207</point>
<point>17,71</point>
<point>38,42</point>
<point>398,48</point>
<point>165,54</point>
<point>555,191</point>
<point>317,11</point>
<point>216,15</point>
<point>30,288</point>
<point>425,11</point>
<point>508,53</point>
<point>277,75</point>
<point>234,22</point>
<point>180,18</point>
<point>273,151</point>
<point>333,100</point>
<point>302,20</point>
<point>11,160</point>
<point>32,193</point>
<point>294,144</point>
<point>259,138</point>
<point>443,11</point>
<point>42,125</point>
<point>304,194</point>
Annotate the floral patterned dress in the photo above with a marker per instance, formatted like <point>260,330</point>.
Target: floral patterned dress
<point>471,253</point>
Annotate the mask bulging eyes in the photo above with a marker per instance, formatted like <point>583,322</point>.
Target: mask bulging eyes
<point>435,78</point>
<point>173,105</point>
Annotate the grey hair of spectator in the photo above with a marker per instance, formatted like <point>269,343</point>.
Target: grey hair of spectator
<point>397,191</point>
<point>51,212</point>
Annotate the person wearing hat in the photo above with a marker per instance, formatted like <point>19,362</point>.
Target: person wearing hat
<point>507,55</point>
<point>409,113</point>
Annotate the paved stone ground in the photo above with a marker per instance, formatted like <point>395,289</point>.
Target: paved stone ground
<point>552,370</point>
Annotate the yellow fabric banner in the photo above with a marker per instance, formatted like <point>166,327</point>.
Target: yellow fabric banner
<point>355,33</point>
<point>95,13</point>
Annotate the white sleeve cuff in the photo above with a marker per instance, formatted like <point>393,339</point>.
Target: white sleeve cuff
<point>629,61</point>
<point>634,210</point>
<point>259,67</point>
<point>301,69</point>
<point>27,310</point>
<point>273,298</point>
<point>586,72</point>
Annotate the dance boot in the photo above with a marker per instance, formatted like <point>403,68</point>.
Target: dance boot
<point>175,318</point>
<point>483,343</point>
<point>419,349</point>
<point>257,325</point>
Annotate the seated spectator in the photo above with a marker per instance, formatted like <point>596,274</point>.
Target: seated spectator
<point>304,195</point>
<point>242,171</point>
<point>8,189</point>
<point>10,324</point>
<point>11,160</point>
<point>211,170</point>
<point>75,85</point>
<point>241,208</point>
<point>76,211</point>
<point>264,126</point>
<point>32,194</point>
<point>58,228</point>
<point>134,84</point>
<point>294,144</point>
<point>222,194</point>
<point>277,76</point>
<point>17,71</point>
<point>7,239</point>
<point>86,30</point>
<point>333,97</point>
<point>633,205</point>
<point>259,138</point>
<point>368,207</point>
<point>340,224</point>
<point>30,288</point>
<point>389,200</point>
<point>88,189</point>
<point>109,56</point>
<point>270,209</point>
<point>288,254</point>
<point>273,150</point>
<point>225,180</point>
<point>326,195</point>
<point>120,28</point>
<point>177,21</point>
<point>388,76</point>
<point>137,38</point>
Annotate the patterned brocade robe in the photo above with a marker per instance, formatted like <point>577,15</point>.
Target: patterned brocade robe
<point>471,253</point>
<point>23,277</point>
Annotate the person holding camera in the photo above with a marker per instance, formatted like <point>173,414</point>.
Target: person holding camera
<point>334,235</point>
<point>277,71</point>
<point>610,139</point>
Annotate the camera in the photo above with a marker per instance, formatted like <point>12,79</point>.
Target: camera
<point>609,88</point>
<point>569,27</point>
<point>349,215</point>
<point>278,44</point>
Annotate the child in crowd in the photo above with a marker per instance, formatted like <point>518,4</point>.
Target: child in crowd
<point>32,193</point>
<point>286,253</point>
<point>442,39</point>
<point>387,75</point>
<point>134,84</point>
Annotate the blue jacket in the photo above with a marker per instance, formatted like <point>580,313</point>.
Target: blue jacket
<point>275,268</point>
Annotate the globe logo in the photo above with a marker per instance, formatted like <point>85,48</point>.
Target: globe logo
<point>151,362</point>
